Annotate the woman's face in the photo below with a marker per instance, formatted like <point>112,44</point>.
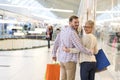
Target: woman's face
<point>88,28</point>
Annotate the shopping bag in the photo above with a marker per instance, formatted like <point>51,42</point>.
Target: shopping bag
<point>102,61</point>
<point>52,72</point>
<point>104,69</point>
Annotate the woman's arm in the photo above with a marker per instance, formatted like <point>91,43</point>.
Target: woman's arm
<point>96,48</point>
<point>70,50</point>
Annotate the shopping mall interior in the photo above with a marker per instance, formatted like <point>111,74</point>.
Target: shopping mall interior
<point>24,52</point>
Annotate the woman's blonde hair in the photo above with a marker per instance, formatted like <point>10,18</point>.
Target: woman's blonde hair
<point>90,22</point>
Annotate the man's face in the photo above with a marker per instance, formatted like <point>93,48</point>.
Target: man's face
<point>74,23</point>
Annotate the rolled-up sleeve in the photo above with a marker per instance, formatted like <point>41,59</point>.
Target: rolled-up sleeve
<point>74,50</point>
<point>95,48</point>
<point>91,42</point>
<point>77,43</point>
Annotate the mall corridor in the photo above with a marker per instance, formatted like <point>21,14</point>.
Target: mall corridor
<point>29,27</point>
<point>31,65</point>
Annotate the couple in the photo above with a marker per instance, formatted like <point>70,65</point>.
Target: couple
<point>68,43</point>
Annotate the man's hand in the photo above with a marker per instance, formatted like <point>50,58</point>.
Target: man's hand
<point>54,58</point>
<point>92,51</point>
<point>66,49</point>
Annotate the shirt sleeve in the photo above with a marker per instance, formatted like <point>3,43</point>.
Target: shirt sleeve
<point>77,43</point>
<point>56,45</point>
<point>96,48</point>
<point>74,50</point>
<point>91,42</point>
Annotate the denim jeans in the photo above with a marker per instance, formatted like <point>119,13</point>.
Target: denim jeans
<point>87,70</point>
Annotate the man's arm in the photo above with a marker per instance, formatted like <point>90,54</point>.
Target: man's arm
<point>56,45</point>
<point>76,41</point>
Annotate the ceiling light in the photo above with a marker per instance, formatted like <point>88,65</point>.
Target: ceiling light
<point>107,11</point>
<point>28,7</point>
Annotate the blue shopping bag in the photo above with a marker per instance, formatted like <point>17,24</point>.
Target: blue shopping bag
<point>102,60</point>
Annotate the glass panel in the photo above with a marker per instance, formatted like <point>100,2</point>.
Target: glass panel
<point>104,5</point>
<point>108,32</point>
<point>15,1</point>
<point>15,27</point>
<point>23,3</point>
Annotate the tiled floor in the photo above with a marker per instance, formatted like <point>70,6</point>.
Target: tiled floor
<point>31,64</point>
<point>24,64</point>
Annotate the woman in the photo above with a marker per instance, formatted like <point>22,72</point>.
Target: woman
<point>87,62</point>
<point>49,33</point>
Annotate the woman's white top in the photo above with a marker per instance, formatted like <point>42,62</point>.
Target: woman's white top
<point>90,42</point>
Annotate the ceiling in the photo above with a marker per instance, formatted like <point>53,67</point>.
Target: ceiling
<point>20,6</point>
<point>34,7</point>
<point>62,4</point>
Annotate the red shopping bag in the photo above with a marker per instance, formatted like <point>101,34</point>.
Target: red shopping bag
<point>52,72</point>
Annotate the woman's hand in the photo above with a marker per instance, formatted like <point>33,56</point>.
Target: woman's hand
<point>67,50</point>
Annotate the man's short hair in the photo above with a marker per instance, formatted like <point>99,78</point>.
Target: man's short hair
<point>72,17</point>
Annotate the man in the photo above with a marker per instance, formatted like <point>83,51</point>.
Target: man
<point>69,38</point>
